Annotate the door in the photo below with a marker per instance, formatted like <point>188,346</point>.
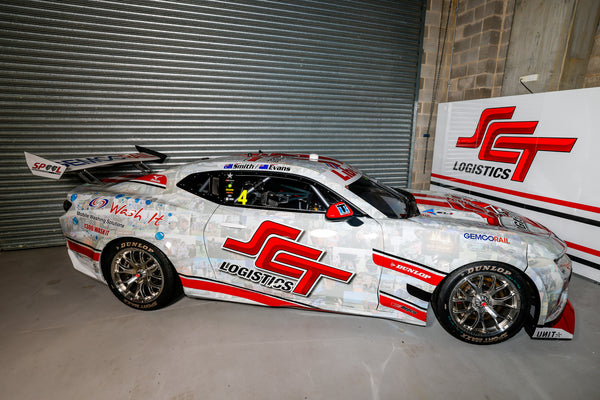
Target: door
<point>270,236</point>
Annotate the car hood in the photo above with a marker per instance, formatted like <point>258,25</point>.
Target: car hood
<point>461,208</point>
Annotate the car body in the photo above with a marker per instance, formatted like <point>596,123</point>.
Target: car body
<point>311,232</point>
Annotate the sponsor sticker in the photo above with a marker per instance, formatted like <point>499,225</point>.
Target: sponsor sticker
<point>98,202</point>
<point>551,333</point>
<point>101,220</point>
<point>136,214</point>
<point>486,238</point>
<point>156,180</point>
<point>96,229</point>
<point>406,267</point>
<point>276,250</point>
<point>103,160</point>
<point>403,306</point>
<point>42,167</point>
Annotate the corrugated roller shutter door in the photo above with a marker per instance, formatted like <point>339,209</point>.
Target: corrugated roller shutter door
<point>193,79</point>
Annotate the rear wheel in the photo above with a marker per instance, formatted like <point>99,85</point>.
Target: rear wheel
<point>482,303</point>
<point>140,275</point>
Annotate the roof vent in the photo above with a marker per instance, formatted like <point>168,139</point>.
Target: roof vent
<point>314,157</point>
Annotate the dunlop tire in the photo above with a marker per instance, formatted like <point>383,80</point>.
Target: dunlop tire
<point>172,289</point>
<point>441,300</point>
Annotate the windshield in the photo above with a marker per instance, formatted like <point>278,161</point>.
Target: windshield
<point>390,202</point>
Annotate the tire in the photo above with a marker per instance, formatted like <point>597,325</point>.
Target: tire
<point>140,275</point>
<point>482,303</point>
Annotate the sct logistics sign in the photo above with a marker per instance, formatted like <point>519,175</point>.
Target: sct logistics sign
<point>537,154</point>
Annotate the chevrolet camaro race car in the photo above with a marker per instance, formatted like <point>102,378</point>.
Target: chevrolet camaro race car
<point>311,232</point>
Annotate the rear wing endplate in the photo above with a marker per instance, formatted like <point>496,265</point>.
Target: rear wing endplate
<point>55,169</point>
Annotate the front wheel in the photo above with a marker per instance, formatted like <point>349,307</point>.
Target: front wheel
<point>482,303</point>
<point>140,275</point>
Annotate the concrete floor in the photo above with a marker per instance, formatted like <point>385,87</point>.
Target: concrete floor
<point>64,336</point>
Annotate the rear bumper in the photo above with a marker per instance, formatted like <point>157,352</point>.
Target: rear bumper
<point>85,259</point>
<point>561,328</point>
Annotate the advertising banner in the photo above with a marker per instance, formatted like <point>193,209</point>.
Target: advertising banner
<point>536,154</point>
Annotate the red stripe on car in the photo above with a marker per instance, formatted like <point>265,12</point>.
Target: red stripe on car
<point>238,292</point>
<point>404,267</point>
<point>403,307</point>
<point>84,250</point>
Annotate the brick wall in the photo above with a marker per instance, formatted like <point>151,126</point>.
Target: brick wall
<point>477,37</point>
<point>437,13</point>
<point>481,44</point>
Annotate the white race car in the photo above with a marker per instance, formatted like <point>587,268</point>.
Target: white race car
<point>310,232</point>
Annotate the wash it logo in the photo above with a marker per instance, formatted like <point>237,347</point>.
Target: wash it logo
<point>498,140</point>
<point>276,250</point>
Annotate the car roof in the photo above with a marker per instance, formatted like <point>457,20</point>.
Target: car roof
<point>320,168</point>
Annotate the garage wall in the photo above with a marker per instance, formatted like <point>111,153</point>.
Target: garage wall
<point>194,79</point>
<point>477,49</point>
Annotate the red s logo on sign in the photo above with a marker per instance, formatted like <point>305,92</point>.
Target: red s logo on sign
<point>277,251</point>
<point>497,138</point>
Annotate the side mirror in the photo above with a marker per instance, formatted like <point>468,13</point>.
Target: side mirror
<point>339,211</point>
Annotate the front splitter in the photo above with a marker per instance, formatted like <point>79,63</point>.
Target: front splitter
<point>561,328</point>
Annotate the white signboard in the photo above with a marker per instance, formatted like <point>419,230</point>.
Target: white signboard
<point>536,154</point>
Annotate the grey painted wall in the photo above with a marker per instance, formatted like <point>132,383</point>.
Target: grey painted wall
<point>553,39</point>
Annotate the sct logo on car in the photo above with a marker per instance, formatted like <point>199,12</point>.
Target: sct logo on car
<point>276,250</point>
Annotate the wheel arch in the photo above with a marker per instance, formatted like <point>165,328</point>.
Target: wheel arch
<point>531,290</point>
<point>531,287</point>
<point>110,249</point>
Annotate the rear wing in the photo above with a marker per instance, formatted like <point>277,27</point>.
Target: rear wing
<point>55,169</point>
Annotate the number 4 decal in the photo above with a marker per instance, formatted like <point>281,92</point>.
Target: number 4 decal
<point>243,199</point>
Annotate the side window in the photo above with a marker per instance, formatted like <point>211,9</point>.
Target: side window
<point>331,197</point>
<point>203,184</point>
<point>273,192</point>
<point>328,196</point>
<point>262,191</point>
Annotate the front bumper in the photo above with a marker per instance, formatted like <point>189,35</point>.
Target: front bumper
<point>561,328</point>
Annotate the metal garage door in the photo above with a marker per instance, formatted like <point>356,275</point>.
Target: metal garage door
<point>196,78</point>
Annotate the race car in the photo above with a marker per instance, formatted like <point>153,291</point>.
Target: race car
<point>311,232</point>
